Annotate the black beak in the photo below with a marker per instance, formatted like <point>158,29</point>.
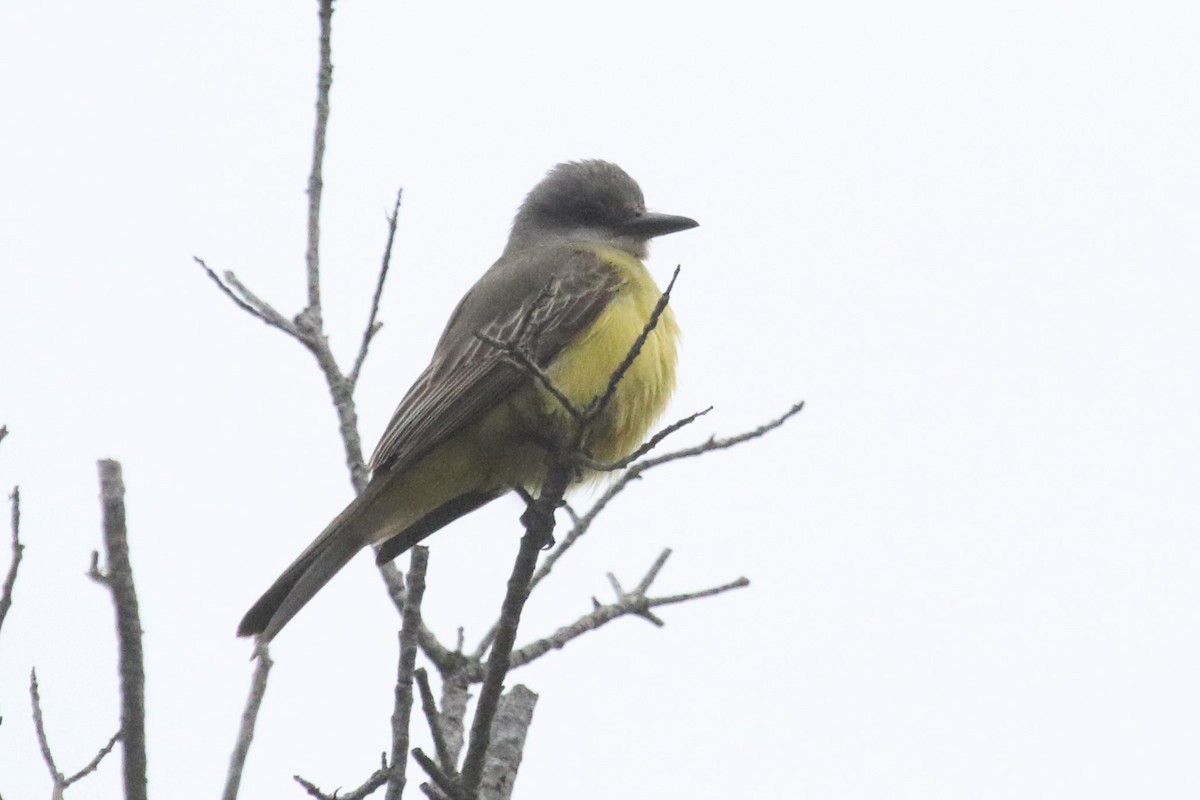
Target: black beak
<point>649,224</point>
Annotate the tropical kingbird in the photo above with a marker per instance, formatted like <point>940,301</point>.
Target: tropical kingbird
<point>571,287</point>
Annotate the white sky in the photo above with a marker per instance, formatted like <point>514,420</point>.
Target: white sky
<point>966,235</point>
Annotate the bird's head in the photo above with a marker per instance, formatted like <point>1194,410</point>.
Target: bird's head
<point>590,201</point>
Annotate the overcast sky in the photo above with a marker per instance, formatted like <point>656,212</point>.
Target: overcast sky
<point>965,234</point>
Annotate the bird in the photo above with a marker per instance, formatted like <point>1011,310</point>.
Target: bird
<point>572,289</point>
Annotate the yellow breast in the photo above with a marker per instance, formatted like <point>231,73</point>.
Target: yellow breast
<point>582,371</point>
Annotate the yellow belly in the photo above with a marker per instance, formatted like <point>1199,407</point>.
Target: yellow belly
<point>583,369</point>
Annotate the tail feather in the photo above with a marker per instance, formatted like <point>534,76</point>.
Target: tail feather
<point>298,584</point>
<point>337,544</point>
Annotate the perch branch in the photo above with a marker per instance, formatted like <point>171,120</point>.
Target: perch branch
<point>539,529</point>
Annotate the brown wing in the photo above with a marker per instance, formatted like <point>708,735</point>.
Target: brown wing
<point>543,297</point>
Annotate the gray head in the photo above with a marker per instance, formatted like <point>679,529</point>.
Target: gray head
<point>590,201</point>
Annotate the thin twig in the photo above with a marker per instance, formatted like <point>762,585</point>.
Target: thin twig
<point>652,573</point>
<point>267,312</point>
<point>18,549</point>
<point>39,728</point>
<point>649,445</point>
<point>228,292</point>
<point>130,664</point>
<point>672,599</point>
<point>312,258</point>
<point>433,718</point>
<point>61,782</point>
<point>409,631</point>
<point>94,764</point>
<point>373,326</point>
<point>516,355</point>
<point>636,470</point>
<point>598,405</point>
<point>258,690</point>
<point>628,603</point>
<point>583,523</point>
<point>370,786</point>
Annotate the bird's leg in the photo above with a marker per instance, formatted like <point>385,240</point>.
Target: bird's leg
<point>535,511</point>
<point>538,519</point>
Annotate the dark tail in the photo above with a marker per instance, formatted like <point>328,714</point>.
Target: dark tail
<point>334,548</point>
<point>298,584</point>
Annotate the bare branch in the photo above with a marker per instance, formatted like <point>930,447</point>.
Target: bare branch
<point>649,445</point>
<point>61,782</point>
<point>373,326</point>
<point>39,728</point>
<point>429,706</point>
<point>409,631</point>
<point>258,690</point>
<point>635,471</point>
<point>442,657</point>
<point>94,764</point>
<point>672,599</point>
<point>266,311</point>
<point>249,302</point>
<point>652,573</point>
<point>312,257</point>
<point>228,292</point>
<point>370,786</point>
<point>634,603</point>
<point>130,666</point>
<point>719,444</point>
<point>18,549</point>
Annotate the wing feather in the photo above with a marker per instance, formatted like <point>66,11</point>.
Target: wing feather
<point>544,298</point>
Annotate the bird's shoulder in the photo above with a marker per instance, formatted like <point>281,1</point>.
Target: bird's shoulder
<point>557,279</point>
